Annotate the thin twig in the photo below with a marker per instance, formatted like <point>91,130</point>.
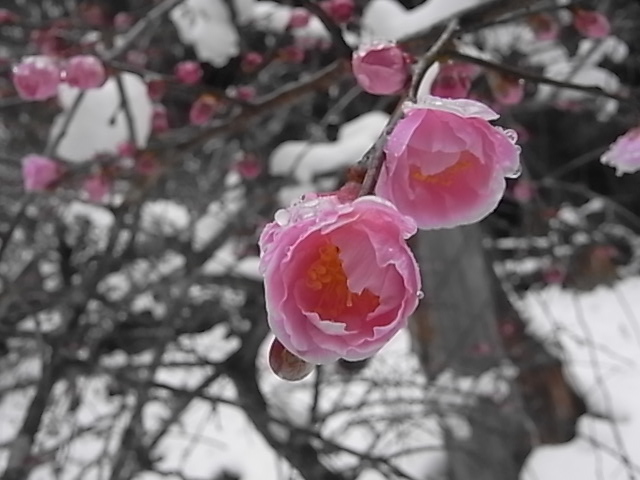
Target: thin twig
<point>343,49</point>
<point>373,158</point>
<point>55,143</point>
<point>140,27</point>
<point>126,108</point>
<point>430,57</point>
<point>533,77</point>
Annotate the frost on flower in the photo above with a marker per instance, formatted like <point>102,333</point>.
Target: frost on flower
<point>446,164</point>
<point>624,153</point>
<point>339,278</point>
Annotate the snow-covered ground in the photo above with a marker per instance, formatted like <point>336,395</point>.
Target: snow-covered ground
<point>382,411</point>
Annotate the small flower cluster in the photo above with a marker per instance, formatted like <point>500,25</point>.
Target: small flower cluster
<point>38,77</point>
<point>340,280</point>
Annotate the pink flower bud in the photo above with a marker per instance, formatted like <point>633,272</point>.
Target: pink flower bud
<point>286,365</point>
<point>454,80</point>
<point>251,61</point>
<point>36,78</point>
<point>127,149</point>
<point>299,18</point>
<point>93,14</point>
<point>159,119</point>
<point>544,26</point>
<point>40,173</point>
<point>146,164</point>
<point>523,191</point>
<point>243,92</point>
<point>96,187</point>
<point>156,88</point>
<point>123,21</point>
<point>506,89</point>
<point>202,110</point>
<point>188,72</point>
<point>340,11</point>
<point>249,167</point>
<point>7,16</point>
<point>137,58</point>
<point>291,54</point>
<point>590,23</point>
<point>84,72</point>
<point>381,70</point>
<point>624,153</point>
<point>553,275</point>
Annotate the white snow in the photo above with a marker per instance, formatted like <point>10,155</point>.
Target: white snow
<point>598,335</point>
<point>389,20</point>
<point>99,124</point>
<point>304,160</point>
<point>207,26</point>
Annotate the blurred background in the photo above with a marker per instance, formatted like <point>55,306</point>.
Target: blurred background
<point>133,334</point>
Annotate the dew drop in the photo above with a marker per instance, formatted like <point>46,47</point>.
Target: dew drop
<point>515,173</point>
<point>511,134</point>
<point>282,217</point>
<point>420,294</point>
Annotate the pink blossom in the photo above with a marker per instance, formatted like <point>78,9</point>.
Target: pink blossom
<point>96,187</point>
<point>243,92</point>
<point>202,110</point>
<point>39,173</point>
<point>127,149</point>
<point>123,20</point>
<point>299,18</point>
<point>137,58</point>
<point>506,89</point>
<point>339,278</point>
<point>251,61</point>
<point>146,164</point>
<point>445,163</point>
<point>156,88</point>
<point>523,191</point>
<point>249,167</point>
<point>188,72</point>
<point>624,153</point>
<point>381,69</point>
<point>454,80</point>
<point>159,119</point>
<point>291,54</point>
<point>36,78</point>
<point>84,72</point>
<point>7,16</point>
<point>544,25</point>
<point>340,11</point>
<point>590,23</point>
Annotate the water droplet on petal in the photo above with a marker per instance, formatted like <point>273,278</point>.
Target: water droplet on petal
<point>282,217</point>
<point>511,134</point>
<point>420,294</point>
<point>514,173</point>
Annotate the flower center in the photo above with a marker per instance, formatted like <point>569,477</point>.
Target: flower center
<point>327,278</point>
<point>447,176</point>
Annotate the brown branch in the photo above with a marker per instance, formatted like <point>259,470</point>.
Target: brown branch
<point>533,77</point>
<point>342,48</point>
<point>140,27</point>
<point>289,94</point>
<point>374,157</point>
